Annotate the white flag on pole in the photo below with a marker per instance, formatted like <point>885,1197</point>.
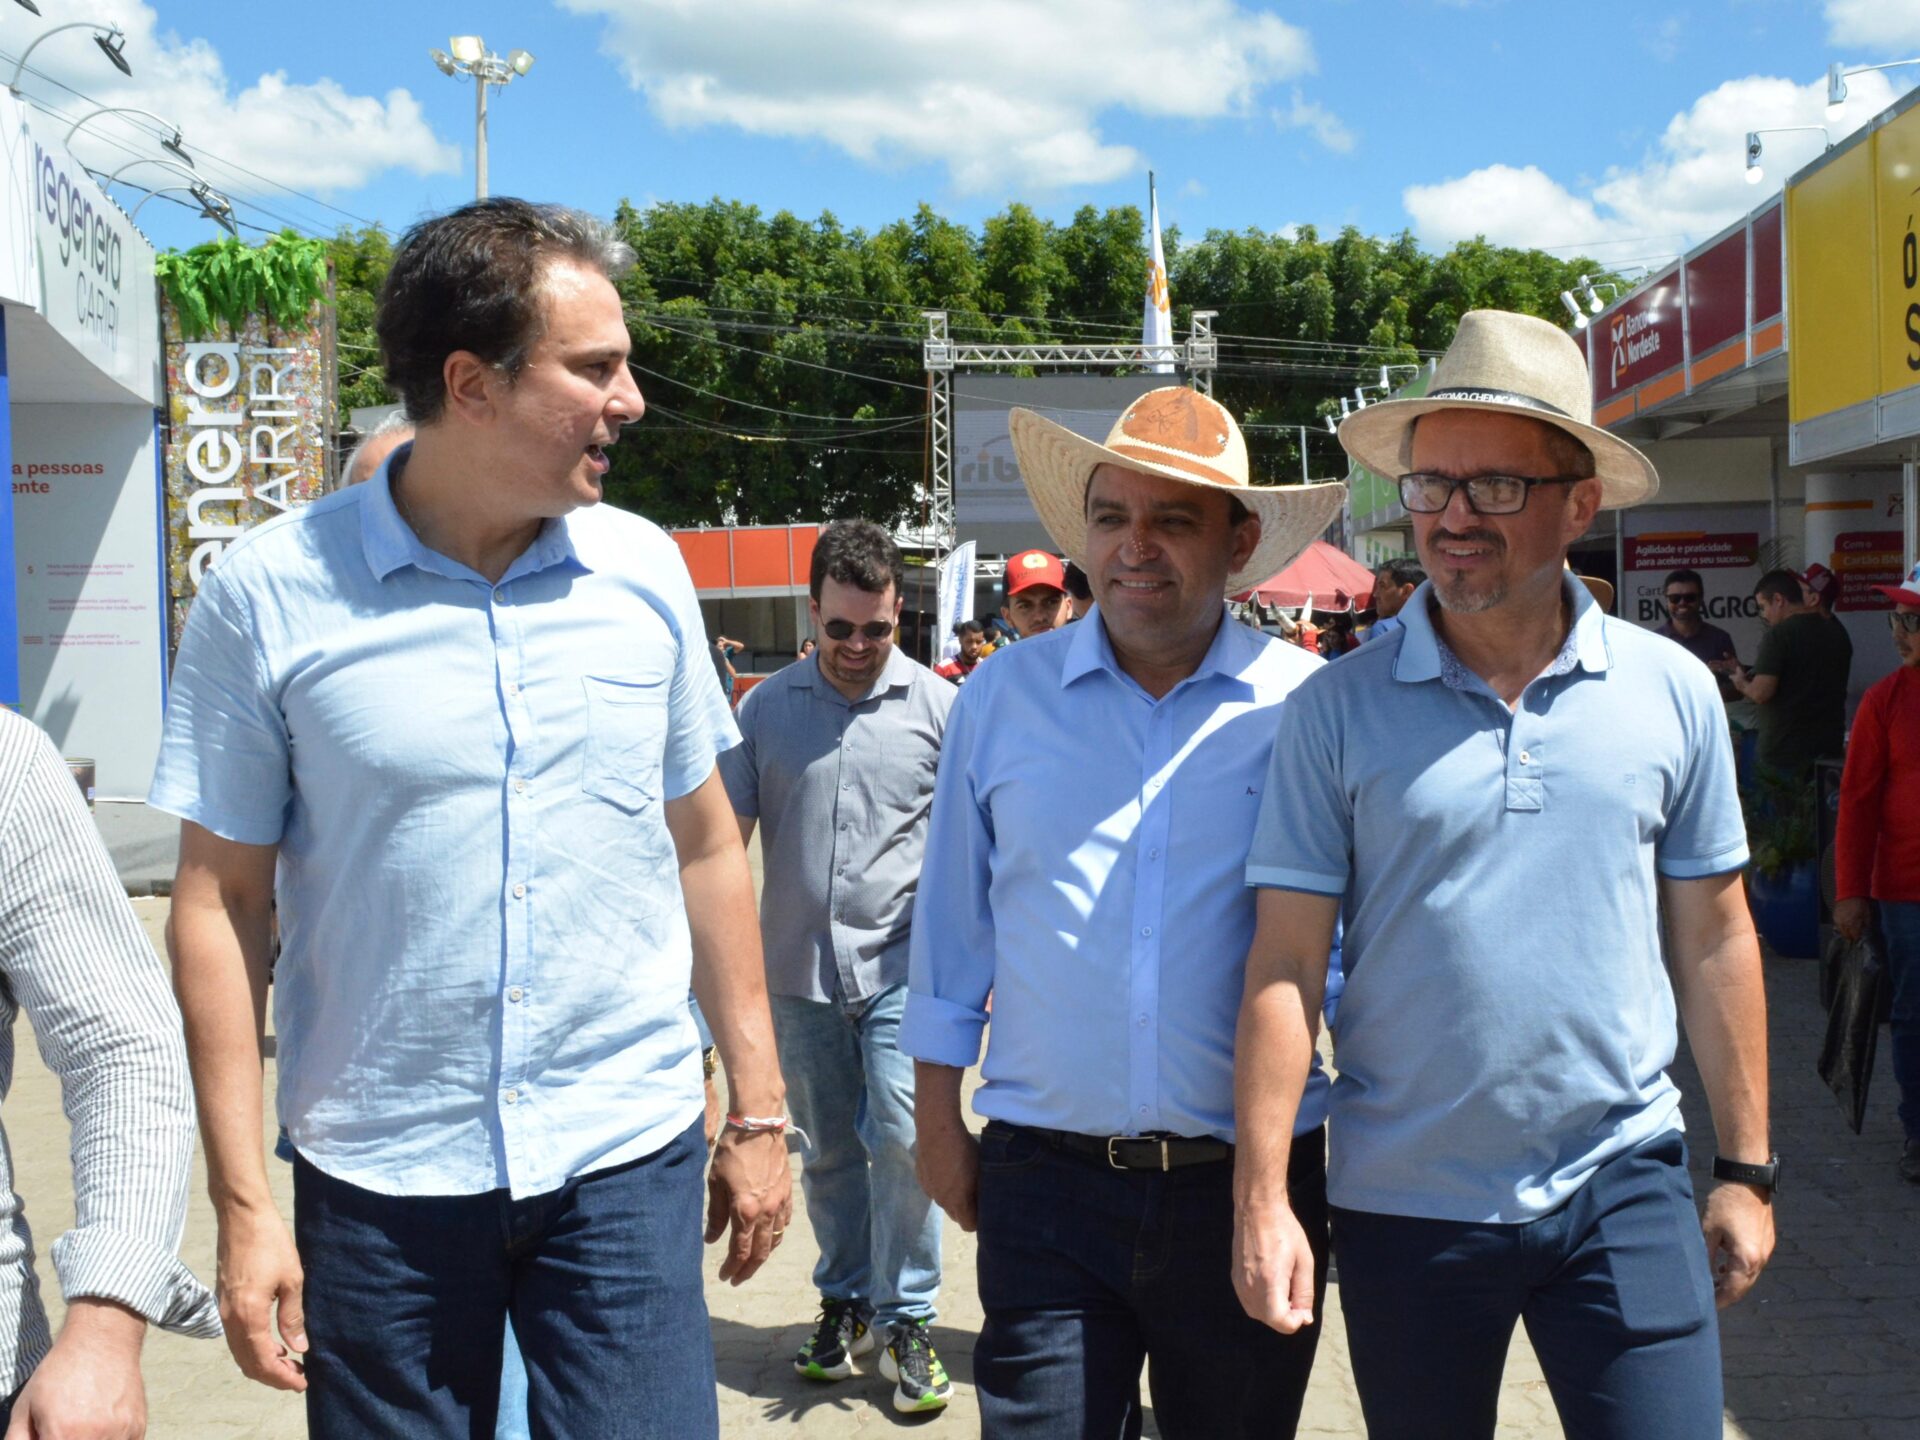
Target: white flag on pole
<point>956,596</point>
<point>1157,324</point>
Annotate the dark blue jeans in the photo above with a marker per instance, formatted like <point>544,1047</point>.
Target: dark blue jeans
<point>1900,927</point>
<point>1613,1287</point>
<point>1086,1271</point>
<point>407,1299</point>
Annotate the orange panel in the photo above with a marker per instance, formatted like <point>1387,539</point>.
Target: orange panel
<point>1665,388</point>
<point>1613,410</point>
<point>802,539</point>
<point>760,558</point>
<point>1719,363</point>
<point>1767,339</point>
<point>705,552</point>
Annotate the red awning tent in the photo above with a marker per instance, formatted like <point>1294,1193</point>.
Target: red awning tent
<point>1334,580</point>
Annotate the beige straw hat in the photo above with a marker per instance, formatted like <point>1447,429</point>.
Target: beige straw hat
<point>1179,434</point>
<point>1507,364</point>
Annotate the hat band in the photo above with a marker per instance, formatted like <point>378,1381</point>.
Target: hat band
<point>1174,460</point>
<point>1496,397</point>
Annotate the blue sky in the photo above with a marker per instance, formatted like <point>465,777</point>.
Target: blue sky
<point>1516,118</point>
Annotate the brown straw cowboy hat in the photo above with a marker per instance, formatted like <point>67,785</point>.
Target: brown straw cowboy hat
<point>1182,435</point>
<point>1507,364</point>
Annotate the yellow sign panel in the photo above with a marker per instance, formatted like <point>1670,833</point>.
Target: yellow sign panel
<point>1830,287</point>
<point>1897,306</point>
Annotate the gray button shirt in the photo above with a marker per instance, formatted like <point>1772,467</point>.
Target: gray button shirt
<point>842,789</point>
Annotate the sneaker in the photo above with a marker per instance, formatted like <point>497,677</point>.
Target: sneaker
<point>920,1380</point>
<point>1910,1163</point>
<point>845,1330</point>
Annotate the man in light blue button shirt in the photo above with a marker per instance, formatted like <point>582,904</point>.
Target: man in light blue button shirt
<point>1501,802</point>
<point>469,717</point>
<point>1097,790</point>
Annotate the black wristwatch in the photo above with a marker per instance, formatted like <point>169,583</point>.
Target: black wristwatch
<point>1762,1177</point>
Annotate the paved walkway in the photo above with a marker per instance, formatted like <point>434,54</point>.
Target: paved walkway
<point>1827,1347</point>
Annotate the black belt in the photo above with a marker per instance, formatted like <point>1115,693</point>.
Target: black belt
<point>1139,1152</point>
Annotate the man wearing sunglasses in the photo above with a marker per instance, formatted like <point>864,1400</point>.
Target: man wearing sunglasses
<point>836,763</point>
<point>1685,596</point>
<point>1503,801</point>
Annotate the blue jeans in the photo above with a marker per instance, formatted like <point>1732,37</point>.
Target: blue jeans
<point>407,1299</point>
<point>1613,1287</point>
<point>1900,927</point>
<point>1086,1271</point>
<point>851,1090</point>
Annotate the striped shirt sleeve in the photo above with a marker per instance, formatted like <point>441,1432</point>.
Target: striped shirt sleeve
<point>73,956</point>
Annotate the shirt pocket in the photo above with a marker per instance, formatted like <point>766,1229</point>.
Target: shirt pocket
<point>626,739</point>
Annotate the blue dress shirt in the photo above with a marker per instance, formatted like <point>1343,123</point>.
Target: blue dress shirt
<point>1085,866</point>
<point>483,979</point>
<point>1507,1021</point>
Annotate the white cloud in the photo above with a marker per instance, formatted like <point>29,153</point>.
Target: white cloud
<point>1689,185</point>
<point>309,135</point>
<point>1883,26</point>
<point>1310,115</point>
<point>1001,92</point>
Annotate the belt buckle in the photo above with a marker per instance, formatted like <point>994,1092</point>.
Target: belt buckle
<point>1112,1162</point>
<point>1166,1160</point>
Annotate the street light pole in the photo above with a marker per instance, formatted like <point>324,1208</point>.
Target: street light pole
<point>471,60</point>
<point>479,137</point>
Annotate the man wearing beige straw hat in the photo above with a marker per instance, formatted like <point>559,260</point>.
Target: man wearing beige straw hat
<point>1097,789</point>
<point>1499,801</point>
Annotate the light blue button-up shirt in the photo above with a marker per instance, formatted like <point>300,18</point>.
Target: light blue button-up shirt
<point>485,956</point>
<point>1507,1021</point>
<point>1085,866</point>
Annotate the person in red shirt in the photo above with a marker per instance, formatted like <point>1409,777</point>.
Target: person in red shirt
<point>1878,845</point>
<point>972,636</point>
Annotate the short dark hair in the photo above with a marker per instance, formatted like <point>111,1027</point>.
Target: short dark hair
<point>471,280</point>
<point>1077,585</point>
<point>968,627</point>
<point>1683,576</point>
<point>1402,572</point>
<point>858,553</point>
<point>1782,583</point>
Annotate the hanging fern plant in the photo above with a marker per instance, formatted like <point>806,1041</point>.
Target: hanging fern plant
<point>227,280</point>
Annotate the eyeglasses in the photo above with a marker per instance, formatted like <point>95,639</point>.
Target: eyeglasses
<point>1907,623</point>
<point>843,629</point>
<point>1486,494</point>
<point>1684,597</point>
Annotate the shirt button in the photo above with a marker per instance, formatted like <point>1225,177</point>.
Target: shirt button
<point>515,993</point>
<point>519,787</point>
<point>1143,1110</point>
<point>1147,930</point>
<point>1153,854</point>
<point>1525,758</point>
<point>500,592</point>
<point>519,892</point>
<point>1143,1020</point>
<point>512,1097</point>
<point>512,689</point>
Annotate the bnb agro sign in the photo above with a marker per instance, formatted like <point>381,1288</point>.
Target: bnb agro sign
<point>250,429</point>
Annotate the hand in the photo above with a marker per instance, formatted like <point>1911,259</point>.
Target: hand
<point>947,1161</point>
<point>89,1386</point>
<point>1739,1230</point>
<point>1273,1266</point>
<point>1724,666</point>
<point>260,1282</point>
<point>750,1187</point>
<point>1851,917</point>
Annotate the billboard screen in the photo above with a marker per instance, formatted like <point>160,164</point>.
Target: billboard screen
<point>990,502</point>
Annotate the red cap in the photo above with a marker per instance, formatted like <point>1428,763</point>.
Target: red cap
<point>1822,582</point>
<point>1035,567</point>
<point>1907,594</point>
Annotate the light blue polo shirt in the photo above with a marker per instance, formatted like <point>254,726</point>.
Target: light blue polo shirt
<point>1507,1021</point>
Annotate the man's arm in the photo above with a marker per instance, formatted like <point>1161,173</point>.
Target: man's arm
<point>219,934</point>
<point>1758,688</point>
<point>1717,979</point>
<point>1273,1055</point>
<point>750,1185</point>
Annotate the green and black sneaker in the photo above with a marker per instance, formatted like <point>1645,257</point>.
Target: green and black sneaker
<point>845,1330</point>
<point>920,1384</point>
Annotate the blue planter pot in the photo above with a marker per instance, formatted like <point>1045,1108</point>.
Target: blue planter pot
<point>1786,910</point>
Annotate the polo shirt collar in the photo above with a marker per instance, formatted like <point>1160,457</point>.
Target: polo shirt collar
<point>896,674</point>
<point>1089,650</point>
<point>390,543</point>
<point>1421,656</point>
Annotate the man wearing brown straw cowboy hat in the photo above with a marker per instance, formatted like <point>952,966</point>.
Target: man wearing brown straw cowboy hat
<point>1084,864</point>
<point>1499,801</point>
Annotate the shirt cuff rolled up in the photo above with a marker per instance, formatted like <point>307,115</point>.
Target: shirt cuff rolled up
<point>1700,867</point>
<point>1286,877</point>
<point>99,1262</point>
<point>940,1031</point>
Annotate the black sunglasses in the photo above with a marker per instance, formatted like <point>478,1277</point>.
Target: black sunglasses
<point>843,629</point>
<point>1424,494</point>
<point>1909,622</point>
<point>1684,597</point>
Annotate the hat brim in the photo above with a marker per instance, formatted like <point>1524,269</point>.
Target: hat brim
<point>1380,437</point>
<point>1899,594</point>
<point>1055,464</point>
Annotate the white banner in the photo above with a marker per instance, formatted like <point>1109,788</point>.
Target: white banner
<point>956,590</point>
